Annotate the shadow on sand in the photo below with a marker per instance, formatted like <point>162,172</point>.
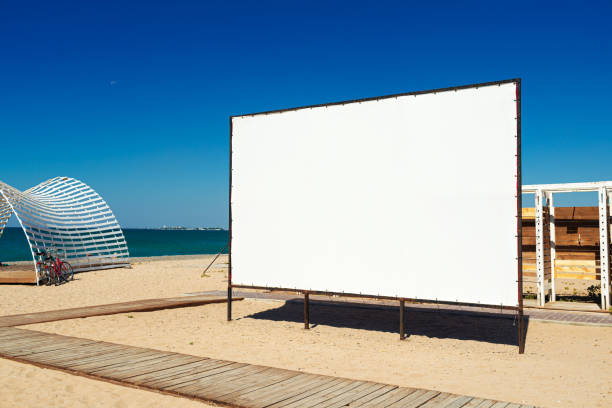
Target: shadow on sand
<point>431,322</point>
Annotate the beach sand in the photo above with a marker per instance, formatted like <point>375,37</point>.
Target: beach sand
<point>563,365</point>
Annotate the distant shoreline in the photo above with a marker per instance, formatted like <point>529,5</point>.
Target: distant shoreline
<point>175,228</point>
<point>139,258</point>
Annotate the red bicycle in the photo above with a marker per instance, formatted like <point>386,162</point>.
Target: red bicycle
<point>52,269</point>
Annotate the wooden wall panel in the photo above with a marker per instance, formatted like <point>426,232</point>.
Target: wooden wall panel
<point>577,243</point>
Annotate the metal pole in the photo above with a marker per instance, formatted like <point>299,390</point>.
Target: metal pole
<point>229,243</point>
<point>521,331</point>
<point>401,326</point>
<point>519,220</point>
<point>306,311</point>
<point>229,303</point>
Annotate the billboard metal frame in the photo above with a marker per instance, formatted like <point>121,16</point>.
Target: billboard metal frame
<point>402,300</point>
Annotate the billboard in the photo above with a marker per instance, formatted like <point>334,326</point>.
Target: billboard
<point>410,196</point>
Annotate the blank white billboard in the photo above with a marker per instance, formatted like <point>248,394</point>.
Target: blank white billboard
<point>410,196</point>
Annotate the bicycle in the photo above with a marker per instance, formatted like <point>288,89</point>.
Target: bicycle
<point>53,269</point>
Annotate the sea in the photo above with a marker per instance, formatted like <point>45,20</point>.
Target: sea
<point>141,242</point>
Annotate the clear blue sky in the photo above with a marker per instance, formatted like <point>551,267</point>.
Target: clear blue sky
<point>133,98</point>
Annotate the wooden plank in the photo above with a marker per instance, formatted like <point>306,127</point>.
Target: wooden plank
<point>474,403</point>
<point>146,305</point>
<point>499,404</point>
<point>577,262</point>
<point>439,401</point>
<point>459,402</point>
<point>340,389</point>
<point>236,382</point>
<point>393,398</point>
<point>322,384</point>
<point>21,343</point>
<point>98,354</point>
<point>130,358</point>
<point>18,276</point>
<point>177,361</point>
<point>578,268</point>
<point>110,358</point>
<point>185,380</point>
<point>125,361</point>
<point>213,389</point>
<point>326,383</point>
<point>361,391</point>
<point>295,386</point>
<point>313,400</point>
<point>84,353</point>
<point>413,401</point>
<point>221,380</point>
<point>269,382</point>
<point>199,368</point>
<point>315,393</point>
<point>10,332</point>
<point>51,346</point>
<point>375,394</point>
<point>165,373</point>
<point>76,349</point>
<point>486,404</point>
<point>17,336</point>
<point>579,275</point>
<point>122,371</point>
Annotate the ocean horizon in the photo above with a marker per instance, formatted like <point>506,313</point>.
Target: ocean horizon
<point>141,243</point>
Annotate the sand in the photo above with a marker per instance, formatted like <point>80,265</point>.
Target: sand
<point>563,365</point>
<point>147,279</point>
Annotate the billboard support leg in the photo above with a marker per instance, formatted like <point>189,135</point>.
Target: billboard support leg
<point>521,331</point>
<point>306,311</point>
<point>229,303</point>
<point>401,322</point>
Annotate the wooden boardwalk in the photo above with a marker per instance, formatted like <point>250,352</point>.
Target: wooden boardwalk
<point>218,381</point>
<point>146,305</point>
<point>13,275</point>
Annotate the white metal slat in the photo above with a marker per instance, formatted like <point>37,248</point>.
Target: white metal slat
<point>67,214</point>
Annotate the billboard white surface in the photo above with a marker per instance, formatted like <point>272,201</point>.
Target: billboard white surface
<point>410,196</point>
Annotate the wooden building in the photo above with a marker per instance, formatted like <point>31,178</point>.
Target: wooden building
<point>576,243</point>
<point>566,243</point>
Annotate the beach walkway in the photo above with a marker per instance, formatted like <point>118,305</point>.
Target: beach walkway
<point>217,381</point>
<point>146,305</point>
<point>574,317</point>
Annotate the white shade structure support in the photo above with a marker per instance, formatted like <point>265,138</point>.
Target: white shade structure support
<point>553,245</point>
<point>66,215</point>
<point>541,191</point>
<point>540,255</point>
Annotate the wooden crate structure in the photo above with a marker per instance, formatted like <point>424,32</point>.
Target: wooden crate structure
<point>566,242</point>
<point>576,243</point>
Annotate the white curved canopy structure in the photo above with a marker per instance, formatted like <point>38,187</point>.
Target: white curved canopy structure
<point>65,214</point>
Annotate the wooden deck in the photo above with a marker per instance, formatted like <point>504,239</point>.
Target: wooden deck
<point>218,381</point>
<point>12,275</point>
<point>146,305</point>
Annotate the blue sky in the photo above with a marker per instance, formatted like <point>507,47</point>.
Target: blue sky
<point>133,98</point>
